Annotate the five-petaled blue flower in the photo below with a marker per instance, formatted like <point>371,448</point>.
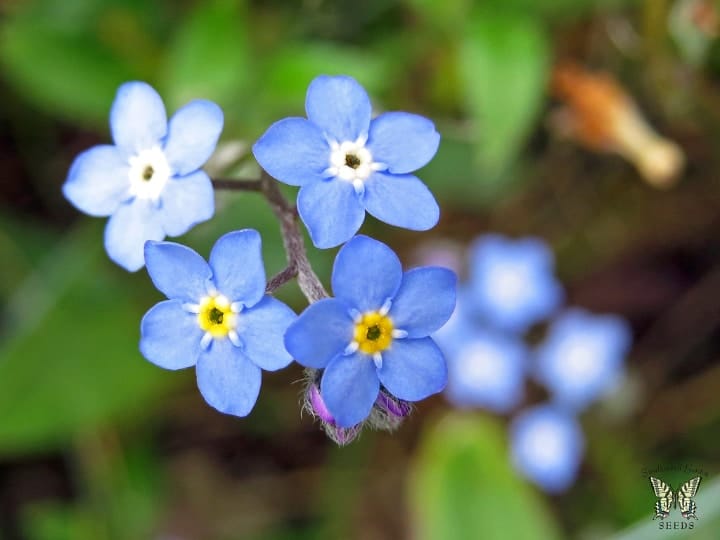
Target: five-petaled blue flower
<point>487,369</point>
<point>149,182</point>
<point>218,318</point>
<point>512,283</point>
<point>375,331</point>
<point>582,357</point>
<point>347,163</point>
<point>547,445</point>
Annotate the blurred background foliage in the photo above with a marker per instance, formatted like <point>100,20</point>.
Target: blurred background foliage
<point>97,444</point>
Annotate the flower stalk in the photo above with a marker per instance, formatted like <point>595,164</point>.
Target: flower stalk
<point>298,264</point>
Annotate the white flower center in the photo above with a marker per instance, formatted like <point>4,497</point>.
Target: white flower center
<point>546,442</point>
<point>149,172</point>
<point>481,366</point>
<point>352,162</point>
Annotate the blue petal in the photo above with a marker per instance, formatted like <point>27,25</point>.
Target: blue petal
<point>547,446</point>
<point>227,379</point>
<point>366,273</point>
<point>294,151</point>
<point>170,336</point>
<point>128,229</point>
<point>402,141</point>
<point>98,182</point>
<point>401,200</point>
<point>177,271</point>
<point>185,202</point>
<point>237,265</point>
<point>339,106</point>
<point>321,332</point>
<point>193,133</point>
<point>137,118</point>
<point>413,369</point>
<point>331,212</point>
<point>425,300</point>
<point>261,329</point>
<point>349,387</point>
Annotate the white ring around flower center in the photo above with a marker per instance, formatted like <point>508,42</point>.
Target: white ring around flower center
<point>149,172</point>
<point>352,161</point>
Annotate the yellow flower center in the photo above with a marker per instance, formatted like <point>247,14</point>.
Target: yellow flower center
<point>373,332</point>
<point>216,316</point>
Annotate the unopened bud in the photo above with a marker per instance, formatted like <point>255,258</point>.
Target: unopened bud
<point>315,405</point>
<point>388,412</point>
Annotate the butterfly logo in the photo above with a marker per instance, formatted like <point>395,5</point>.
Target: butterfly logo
<point>682,498</point>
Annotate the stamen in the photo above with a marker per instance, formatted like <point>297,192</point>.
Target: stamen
<point>148,173</point>
<point>352,161</point>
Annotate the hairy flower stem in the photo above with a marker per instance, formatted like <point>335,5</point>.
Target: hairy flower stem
<point>298,263</point>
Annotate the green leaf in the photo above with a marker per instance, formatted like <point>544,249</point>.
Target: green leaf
<point>504,65</point>
<point>292,67</point>
<point>463,486</point>
<point>66,73</point>
<point>70,361</point>
<point>209,56</point>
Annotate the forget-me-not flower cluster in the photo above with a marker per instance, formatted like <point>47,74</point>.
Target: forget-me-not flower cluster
<point>368,352</point>
<point>511,287</point>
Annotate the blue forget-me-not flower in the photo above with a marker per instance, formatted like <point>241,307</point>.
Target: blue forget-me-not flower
<point>547,446</point>
<point>345,162</point>
<point>149,182</point>
<point>582,356</point>
<point>487,370</point>
<point>375,331</point>
<point>217,318</point>
<point>512,283</point>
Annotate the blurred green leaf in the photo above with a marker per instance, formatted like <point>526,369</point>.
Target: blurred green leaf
<point>64,72</point>
<point>504,63</point>
<point>209,56</point>
<point>292,67</point>
<point>464,488</point>
<point>71,361</point>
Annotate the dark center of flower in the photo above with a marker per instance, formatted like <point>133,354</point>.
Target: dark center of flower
<point>216,316</point>
<point>352,161</point>
<point>148,173</point>
<point>373,333</point>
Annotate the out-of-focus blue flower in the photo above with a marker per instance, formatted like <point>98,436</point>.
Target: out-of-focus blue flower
<point>512,282</point>
<point>149,182</point>
<point>582,356</point>
<point>218,318</point>
<point>547,445</point>
<point>487,370</point>
<point>376,330</point>
<point>347,163</point>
